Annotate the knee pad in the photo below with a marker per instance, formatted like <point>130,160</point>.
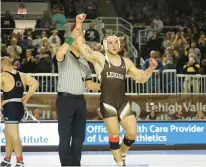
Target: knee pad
<point>114,143</point>
<point>127,142</point>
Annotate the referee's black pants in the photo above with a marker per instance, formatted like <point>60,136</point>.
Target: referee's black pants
<point>72,114</point>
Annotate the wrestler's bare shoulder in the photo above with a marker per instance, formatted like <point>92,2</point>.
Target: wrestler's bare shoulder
<point>4,75</point>
<point>128,62</point>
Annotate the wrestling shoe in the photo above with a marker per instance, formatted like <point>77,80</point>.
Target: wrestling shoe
<point>5,163</point>
<point>19,164</point>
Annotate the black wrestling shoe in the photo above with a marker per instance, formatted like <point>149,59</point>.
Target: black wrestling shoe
<point>19,164</point>
<point>5,163</point>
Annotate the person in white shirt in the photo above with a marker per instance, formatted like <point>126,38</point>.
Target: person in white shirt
<point>54,41</point>
<point>14,48</point>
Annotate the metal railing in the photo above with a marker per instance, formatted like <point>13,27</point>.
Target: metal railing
<point>116,24</point>
<point>165,83</point>
<point>194,84</point>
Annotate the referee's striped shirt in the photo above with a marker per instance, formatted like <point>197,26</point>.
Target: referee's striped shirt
<point>73,71</point>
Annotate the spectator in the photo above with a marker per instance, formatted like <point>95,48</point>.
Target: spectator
<point>203,69</point>
<point>37,114</point>
<point>192,68</point>
<point>202,45</point>
<point>183,59</point>
<point>92,36</point>
<point>38,41</point>
<point>189,35</point>
<point>91,10</point>
<point>14,48</point>
<point>29,63</point>
<point>159,24</point>
<point>15,63</point>
<point>7,22</point>
<point>155,78</point>
<point>178,116</point>
<point>44,63</point>
<point>54,41</point>
<point>151,116</point>
<point>195,51</point>
<point>45,43</point>
<point>3,50</point>
<point>80,6</point>
<point>28,33</point>
<point>179,42</point>
<point>153,54</point>
<point>154,43</point>
<point>123,47</point>
<point>170,58</point>
<point>167,40</point>
<point>31,47</point>
<point>149,31</point>
<point>200,115</point>
<point>46,20</point>
<point>54,115</point>
<point>59,19</point>
<point>69,9</point>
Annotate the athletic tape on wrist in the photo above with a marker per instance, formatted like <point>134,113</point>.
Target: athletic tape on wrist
<point>70,41</point>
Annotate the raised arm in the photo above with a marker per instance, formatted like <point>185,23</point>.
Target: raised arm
<point>85,50</point>
<point>90,55</point>
<point>62,50</point>
<point>139,75</point>
<point>66,47</point>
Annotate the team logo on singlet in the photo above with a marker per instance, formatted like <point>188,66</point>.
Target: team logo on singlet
<point>115,75</point>
<point>18,84</point>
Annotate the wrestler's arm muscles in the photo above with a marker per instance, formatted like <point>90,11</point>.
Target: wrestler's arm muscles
<point>32,83</point>
<point>90,55</point>
<point>62,50</point>
<point>139,75</point>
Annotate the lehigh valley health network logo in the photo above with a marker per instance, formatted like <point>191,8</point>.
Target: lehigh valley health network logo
<point>165,107</point>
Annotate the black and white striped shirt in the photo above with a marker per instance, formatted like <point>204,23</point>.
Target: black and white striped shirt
<point>73,72</point>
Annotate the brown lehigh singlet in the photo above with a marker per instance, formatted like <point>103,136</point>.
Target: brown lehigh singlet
<point>113,101</point>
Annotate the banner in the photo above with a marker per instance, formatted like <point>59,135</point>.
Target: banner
<point>164,106</point>
<point>149,133</point>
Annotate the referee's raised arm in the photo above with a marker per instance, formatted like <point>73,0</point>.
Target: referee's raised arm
<point>66,47</point>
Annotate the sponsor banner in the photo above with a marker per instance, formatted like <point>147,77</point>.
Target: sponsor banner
<point>164,106</point>
<point>149,133</point>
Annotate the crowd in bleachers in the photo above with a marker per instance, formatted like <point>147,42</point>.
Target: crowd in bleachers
<point>71,8</point>
<point>171,12</point>
<point>182,49</point>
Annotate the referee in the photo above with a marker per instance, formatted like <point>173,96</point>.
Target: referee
<point>74,75</point>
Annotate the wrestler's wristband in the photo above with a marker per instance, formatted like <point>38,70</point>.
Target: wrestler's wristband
<point>70,41</point>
